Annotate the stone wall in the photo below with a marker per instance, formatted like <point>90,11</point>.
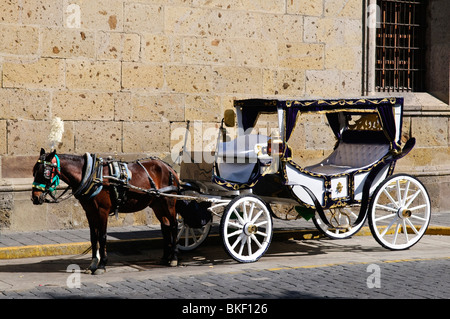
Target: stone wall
<point>123,75</point>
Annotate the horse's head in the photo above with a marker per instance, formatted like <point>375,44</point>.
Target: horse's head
<point>46,173</point>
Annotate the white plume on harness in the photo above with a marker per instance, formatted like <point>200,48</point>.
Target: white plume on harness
<point>56,132</point>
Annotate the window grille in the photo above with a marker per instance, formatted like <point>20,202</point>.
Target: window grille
<point>400,46</point>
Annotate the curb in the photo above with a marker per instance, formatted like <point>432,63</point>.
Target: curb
<point>82,248</point>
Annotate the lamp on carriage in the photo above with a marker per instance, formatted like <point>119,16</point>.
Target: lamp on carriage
<point>229,118</point>
<point>275,144</point>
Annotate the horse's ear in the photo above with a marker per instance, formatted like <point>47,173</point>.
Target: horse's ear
<point>42,151</point>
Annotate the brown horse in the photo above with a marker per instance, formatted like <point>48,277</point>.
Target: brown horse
<point>146,174</point>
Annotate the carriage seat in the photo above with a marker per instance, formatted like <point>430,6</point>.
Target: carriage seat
<point>353,154</point>
<point>238,159</point>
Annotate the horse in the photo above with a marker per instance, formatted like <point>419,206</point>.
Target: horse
<point>99,199</point>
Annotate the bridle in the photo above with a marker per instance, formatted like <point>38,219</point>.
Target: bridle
<point>51,175</point>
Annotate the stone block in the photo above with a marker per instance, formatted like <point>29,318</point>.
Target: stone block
<point>139,76</point>
<point>99,15</point>
<point>350,83</point>
<point>308,8</point>
<point>266,6</point>
<point>301,56</point>
<point>343,8</point>
<point>18,167</point>
<point>26,137</point>
<point>83,106</point>
<point>255,53</point>
<point>282,27</point>
<point>90,75</point>
<point>307,157</point>
<point>122,105</point>
<point>333,31</point>
<point>146,137</point>
<point>24,104</point>
<point>27,217</point>
<point>207,51</point>
<point>318,136</point>
<point>118,46</point>
<point>310,29</point>
<point>190,21</point>
<point>334,57</point>
<point>66,215</point>
<point>10,12</point>
<point>238,80</point>
<point>189,78</point>
<point>425,159</point>
<point>161,49</point>
<point>3,140</point>
<point>19,40</point>
<point>140,17</point>
<point>98,136</point>
<point>43,73</point>
<point>160,108</point>
<point>203,108</point>
<point>322,83</point>
<point>284,82</point>
<point>68,43</point>
<point>430,131</point>
<point>42,12</point>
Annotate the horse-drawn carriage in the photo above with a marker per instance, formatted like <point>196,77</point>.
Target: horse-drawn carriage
<point>253,172</point>
<point>352,184</point>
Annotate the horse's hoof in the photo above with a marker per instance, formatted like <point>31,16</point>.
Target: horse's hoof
<point>89,271</point>
<point>99,271</point>
<point>173,263</point>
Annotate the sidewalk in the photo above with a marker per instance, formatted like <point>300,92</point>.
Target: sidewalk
<point>76,241</point>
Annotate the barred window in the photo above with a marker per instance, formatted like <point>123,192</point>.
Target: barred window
<point>400,46</point>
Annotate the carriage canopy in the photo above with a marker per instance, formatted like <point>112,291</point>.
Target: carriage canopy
<point>389,111</point>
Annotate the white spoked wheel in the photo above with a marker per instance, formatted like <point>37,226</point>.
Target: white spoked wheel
<point>399,212</point>
<point>341,220</point>
<point>190,238</point>
<point>246,228</point>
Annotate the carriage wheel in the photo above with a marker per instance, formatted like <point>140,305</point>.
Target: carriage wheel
<point>342,219</point>
<point>399,212</point>
<point>246,228</point>
<point>190,238</point>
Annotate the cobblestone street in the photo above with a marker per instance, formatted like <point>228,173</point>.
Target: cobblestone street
<point>354,268</point>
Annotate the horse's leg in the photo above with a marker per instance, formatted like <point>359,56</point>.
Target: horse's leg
<point>165,260</point>
<point>94,246</point>
<point>102,236</point>
<point>97,219</point>
<point>173,231</point>
<point>167,217</point>
<point>174,246</point>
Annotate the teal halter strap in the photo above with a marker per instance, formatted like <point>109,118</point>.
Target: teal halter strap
<point>55,180</point>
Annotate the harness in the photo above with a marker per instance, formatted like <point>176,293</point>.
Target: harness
<point>51,174</point>
<point>121,175</point>
<point>92,180</point>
